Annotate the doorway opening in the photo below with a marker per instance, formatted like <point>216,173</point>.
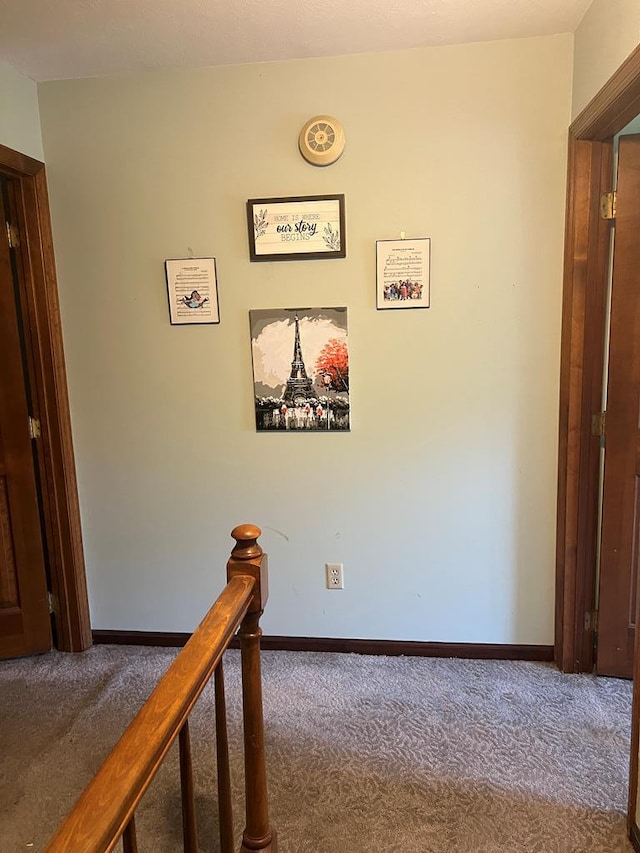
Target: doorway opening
<point>584,345</point>
<point>587,234</point>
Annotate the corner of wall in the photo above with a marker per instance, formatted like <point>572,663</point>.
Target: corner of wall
<point>19,113</point>
<point>608,33</point>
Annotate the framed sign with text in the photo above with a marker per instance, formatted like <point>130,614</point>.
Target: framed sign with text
<point>296,228</point>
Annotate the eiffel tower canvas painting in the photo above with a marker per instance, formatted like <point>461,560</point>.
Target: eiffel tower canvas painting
<point>300,369</point>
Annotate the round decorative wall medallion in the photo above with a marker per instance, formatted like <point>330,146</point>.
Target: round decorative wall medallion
<point>321,140</point>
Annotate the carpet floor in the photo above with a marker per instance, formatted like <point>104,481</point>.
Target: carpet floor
<point>385,754</point>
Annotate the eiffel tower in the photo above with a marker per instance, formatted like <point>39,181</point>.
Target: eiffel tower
<point>299,387</point>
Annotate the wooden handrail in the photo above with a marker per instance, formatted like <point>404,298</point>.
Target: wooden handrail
<point>107,805</point>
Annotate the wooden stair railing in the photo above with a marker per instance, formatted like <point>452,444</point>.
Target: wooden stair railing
<point>105,812</point>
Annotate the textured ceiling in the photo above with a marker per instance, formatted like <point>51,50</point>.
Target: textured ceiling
<point>52,39</point>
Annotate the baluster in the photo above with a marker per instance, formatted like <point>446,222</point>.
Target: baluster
<point>129,841</point>
<point>247,558</point>
<point>225,808</point>
<point>189,830</point>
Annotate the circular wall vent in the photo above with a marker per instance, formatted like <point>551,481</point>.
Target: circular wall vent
<point>321,140</point>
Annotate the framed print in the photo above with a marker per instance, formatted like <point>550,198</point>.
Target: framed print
<point>403,273</point>
<point>300,369</point>
<point>192,288</point>
<point>296,228</point>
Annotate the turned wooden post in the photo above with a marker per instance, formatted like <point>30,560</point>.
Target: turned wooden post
<point>247,558</point>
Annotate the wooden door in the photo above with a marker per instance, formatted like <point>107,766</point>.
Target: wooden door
<point>25,626</point>
<point>619,554</point>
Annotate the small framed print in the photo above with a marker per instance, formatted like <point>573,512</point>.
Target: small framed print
<point>296,228</point>
<point>403,271</point>
<point>192,289</point>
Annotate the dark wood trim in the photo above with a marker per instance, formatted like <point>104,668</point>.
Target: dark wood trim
<point>477,651</point>
<point>63,533</point>
<point>169,639</point>
<point>581,364</point>
<point>634,837</point>
<point>582,357</point>
<point>17,163</point>
<point>615,104</point>
<point>412,648</point>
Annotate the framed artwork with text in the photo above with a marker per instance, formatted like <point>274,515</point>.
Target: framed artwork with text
<point>296,228</point>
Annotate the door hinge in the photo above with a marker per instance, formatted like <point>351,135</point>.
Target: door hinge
<point>12,236</point>
<point>598,423</point>
<point>52,601</point>
<point>608,204</point>
<point>591,621</point>
<point>34,427</point>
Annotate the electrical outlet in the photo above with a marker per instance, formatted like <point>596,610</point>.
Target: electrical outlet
<point>335,575</point>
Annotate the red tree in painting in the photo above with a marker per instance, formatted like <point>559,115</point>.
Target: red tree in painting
<point>332,365</point>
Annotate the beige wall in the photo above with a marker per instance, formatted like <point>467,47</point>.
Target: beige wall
<point>441,501</point>
<point>608,33</point>
<point>19,119</point>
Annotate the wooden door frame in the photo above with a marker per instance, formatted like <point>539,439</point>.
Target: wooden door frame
<point>45,358</point>
<point>582,357</point>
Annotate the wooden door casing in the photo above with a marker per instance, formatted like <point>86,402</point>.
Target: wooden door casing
<point>612,108</point>
<point>25,626</point>
<point>620,516</point>
<point>585,281</point>
<point>46,366</point>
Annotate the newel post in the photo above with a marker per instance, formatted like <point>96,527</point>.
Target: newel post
<point>247,558</point>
